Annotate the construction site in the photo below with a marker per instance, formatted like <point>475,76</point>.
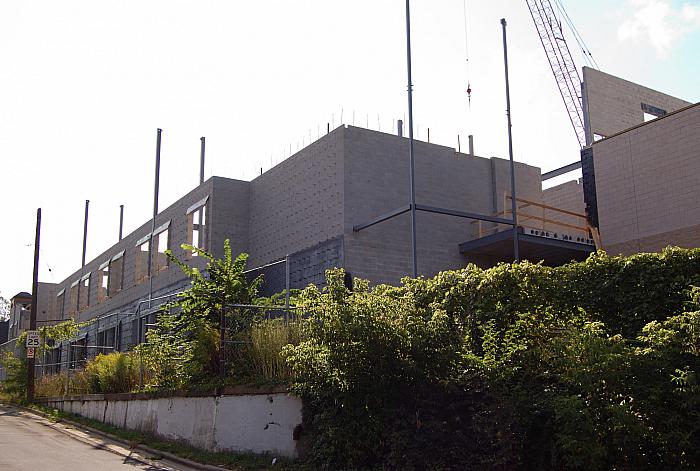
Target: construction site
<point>353,199</point>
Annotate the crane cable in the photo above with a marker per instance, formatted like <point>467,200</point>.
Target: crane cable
<point>466,54</point>
<point>587,55</point>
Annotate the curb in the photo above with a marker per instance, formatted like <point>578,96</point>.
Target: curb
<point>129,445</point>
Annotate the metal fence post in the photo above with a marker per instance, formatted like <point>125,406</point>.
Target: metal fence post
<point>222,342</point>
<point>287,288</point>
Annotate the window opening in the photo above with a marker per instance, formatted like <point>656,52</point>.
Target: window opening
<point>78,353</point>
<point>53,357</point>
<point>160,260</point>
<point>141,269</point>
<point>103,282</point>
<point>73,297</point>
<point>60,302</point>
<point>197,225</point>
<point>116,270</point>
<point>84,292</point>
<point>106,341</point>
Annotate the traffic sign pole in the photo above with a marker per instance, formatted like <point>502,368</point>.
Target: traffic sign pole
<point>32,315</point>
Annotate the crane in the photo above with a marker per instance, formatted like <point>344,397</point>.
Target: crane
<point>562,64</point>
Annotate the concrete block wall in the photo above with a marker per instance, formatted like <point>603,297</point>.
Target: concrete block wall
<point>647,184</point>
<point>528,182</point>
<point>227,206</point>
<point>299,202</point>
<point>613,104</point>
<point>305,267</point>
<point>568,196</point>
<point>230,215</point>
<point>377,181</point>
<point>46,307</point>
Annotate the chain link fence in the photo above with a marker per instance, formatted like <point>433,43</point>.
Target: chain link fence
<point>252,337</point>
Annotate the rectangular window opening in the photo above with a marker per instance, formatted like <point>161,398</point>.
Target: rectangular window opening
<point>60,303</point>
<point>103,285</point>
<point>78,353</point>
<point>73,298</point>
<point>141,268</point>
<point>116,279</point>
<point>84,293</point>
<point>162,243</point>
<point>106,341</point>
<point>197,224</point>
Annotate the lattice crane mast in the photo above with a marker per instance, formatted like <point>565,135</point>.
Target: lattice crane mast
<point>562,64</point>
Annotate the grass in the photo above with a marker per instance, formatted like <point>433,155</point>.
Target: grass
<point>234,461</point>
<point>267,338</point>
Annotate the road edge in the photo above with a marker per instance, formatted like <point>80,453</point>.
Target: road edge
<point>129,445</point>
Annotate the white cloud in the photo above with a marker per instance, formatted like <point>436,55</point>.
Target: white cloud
<point>659,22</point>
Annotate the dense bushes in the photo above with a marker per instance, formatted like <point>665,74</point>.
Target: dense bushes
<point>112,373</point>
<point>15,383</point>
<point>591,365</point>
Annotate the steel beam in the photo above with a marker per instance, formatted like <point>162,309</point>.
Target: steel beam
<point>561,170</point>
<point>382,218</point>
<point>463,214</point>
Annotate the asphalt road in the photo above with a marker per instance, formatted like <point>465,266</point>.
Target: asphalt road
<point>29,442</point>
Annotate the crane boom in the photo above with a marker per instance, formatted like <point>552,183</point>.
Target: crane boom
<point>563,67</point>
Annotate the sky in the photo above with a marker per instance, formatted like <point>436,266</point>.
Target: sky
<point>85,84</point>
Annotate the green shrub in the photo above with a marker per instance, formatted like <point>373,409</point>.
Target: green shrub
<point>105,374</point>
<point>184,350</point>
<point>591,365</point>
<point>15,384</point>
<point>113,373</point>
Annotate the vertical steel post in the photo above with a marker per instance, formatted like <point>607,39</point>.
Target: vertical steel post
<point>153,221</point>
<point>82,263</point>
<point>201,160</point>
<point>516,252</point>
<point>200,220</point>
<point>410,140</point>
<point>85,227</point>
<point>121,220</point>
<point>35,298</point>
<point>287,286</point>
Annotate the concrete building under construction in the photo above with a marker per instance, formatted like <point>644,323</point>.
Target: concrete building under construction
<point>343,201</point>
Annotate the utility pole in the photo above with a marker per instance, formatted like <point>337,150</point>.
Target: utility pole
<point>514,205</point>
<point>410,140</point>
<point>32,315</point>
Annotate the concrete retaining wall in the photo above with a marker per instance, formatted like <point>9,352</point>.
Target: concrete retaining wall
<point>257,422</point>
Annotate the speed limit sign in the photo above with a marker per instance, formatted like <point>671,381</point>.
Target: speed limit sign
<point>32,339</point>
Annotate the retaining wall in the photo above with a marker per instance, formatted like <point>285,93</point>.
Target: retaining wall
<point>248,420</point>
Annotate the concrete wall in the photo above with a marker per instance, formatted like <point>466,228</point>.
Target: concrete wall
<point>612,104</point>
<point>256,423</point>
<point>377,181</point>
<point>46,306</point>
<point>298,203</point>
<point>230,215</point>
<point>567,196</point>
<point>226,207</point>
<point>647,183</point>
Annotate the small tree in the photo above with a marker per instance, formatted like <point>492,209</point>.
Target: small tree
<point>4,309</point>
<point>185,348</point>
